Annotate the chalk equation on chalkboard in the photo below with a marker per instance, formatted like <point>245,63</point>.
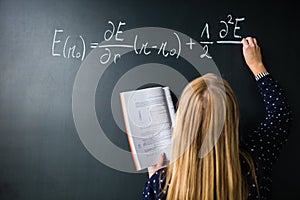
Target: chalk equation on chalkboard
<point>76,46</point>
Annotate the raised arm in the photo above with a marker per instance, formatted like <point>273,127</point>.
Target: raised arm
<point>266,141</point>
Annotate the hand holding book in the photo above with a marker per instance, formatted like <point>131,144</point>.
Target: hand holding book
<point>160,164</point>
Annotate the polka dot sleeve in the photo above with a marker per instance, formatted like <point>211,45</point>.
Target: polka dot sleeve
<point>153,187</point>
<point>266,141</point>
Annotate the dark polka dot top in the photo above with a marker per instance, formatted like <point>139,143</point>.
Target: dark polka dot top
<point>264,144</point>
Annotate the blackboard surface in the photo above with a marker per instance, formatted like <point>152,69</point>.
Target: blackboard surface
<point>42,155</point>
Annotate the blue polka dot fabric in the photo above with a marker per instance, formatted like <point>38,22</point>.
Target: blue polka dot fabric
<point>154,186</point>
<point>263,144</point>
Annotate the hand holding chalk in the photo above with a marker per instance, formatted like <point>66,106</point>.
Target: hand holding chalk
<point>252,55</point>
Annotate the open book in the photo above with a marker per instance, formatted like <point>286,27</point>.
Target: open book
<point>149,116</point>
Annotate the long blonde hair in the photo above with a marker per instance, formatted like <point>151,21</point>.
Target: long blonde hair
<point>206,103</point>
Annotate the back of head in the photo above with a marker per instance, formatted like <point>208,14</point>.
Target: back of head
<point>205,148</point>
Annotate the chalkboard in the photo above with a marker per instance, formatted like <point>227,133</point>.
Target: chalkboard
<point>62,64</point>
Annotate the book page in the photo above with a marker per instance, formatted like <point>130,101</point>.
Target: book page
<point>148,124</point>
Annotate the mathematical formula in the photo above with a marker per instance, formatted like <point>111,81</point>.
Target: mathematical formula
<point>76,46</point>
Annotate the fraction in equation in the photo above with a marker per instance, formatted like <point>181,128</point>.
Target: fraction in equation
<point>223,33</point>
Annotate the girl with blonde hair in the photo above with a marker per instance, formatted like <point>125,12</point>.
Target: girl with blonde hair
<point>207,160</point>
